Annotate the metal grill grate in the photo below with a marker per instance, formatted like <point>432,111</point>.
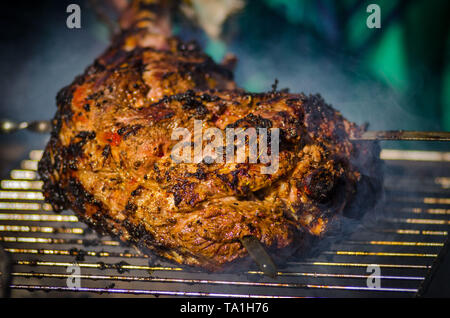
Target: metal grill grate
<point>403,238</point>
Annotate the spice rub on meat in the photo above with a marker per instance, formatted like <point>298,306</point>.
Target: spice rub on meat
<point>109,156</point>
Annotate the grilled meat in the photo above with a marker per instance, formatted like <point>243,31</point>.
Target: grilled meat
<point>109,156</point>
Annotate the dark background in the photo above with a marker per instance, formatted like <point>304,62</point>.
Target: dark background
<point>396,77</point>
<point>39,56</point>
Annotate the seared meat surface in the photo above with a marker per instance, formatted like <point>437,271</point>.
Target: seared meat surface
<point>109,156</point>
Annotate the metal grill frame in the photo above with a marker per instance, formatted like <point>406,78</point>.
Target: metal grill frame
<point>42,245</point>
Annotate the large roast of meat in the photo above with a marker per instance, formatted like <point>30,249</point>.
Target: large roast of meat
<point>109,156</point>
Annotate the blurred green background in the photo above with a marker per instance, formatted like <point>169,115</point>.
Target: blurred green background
<point>395,77</point>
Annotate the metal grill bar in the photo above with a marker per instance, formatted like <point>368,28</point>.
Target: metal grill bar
<point>220,282</point>
<point>130,255</point>
<point>41,229</point>
<point>361,265</point>
<point>46,240</point>
<point>38,217</point>
<point>300,286</point>
<point>415,155</point>
<point>420,221</point>
<point>102,265</point>
<point>143,292</point>
<point>25,206</point>
<point>21,184</point>
<point>21,195</point>
<point>414,232</point>
<point>424,211</point>
<point>23,174</point>
<point>360,253</point>
<point>395,243</point>
<point>202,281</point>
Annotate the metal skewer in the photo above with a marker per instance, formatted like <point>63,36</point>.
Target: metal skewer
<point>259,254</point>
<point>44,126</point>
<point>41,126</point>
<point>404,135</point>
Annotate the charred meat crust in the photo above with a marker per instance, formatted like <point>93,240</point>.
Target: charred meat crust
<point>108,158</point>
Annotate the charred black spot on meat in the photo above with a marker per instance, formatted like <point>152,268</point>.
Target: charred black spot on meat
<point>318,184</point>
<point>252,121</point>
<point>209,98</point>
<point>102,222</point>
<point>95,95</point>
<point>131,131</point>
<point>121,267</point>
<point>79,195</point>
<point>64,100</point>
<point>201,71</point>
<point>53,192</point>
<point>139,234</point>
<point>122,130</point>
<point>75,149</point>
<point>106,151</point>
<point>190,102</point>
<point>78,253</point>
<point>232,180</point>
<point>293,101</point>
<point>131,208</point>
<point>199,174</point>
<point>292,128</point>
<point>137,164</point>
<point>137,191</point>
<point>184,191</point>
<point>84,135</point>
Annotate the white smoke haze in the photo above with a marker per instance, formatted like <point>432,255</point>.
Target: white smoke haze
<point>340,78</point>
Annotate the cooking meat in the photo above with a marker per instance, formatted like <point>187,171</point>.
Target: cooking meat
<point>109,155</point>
